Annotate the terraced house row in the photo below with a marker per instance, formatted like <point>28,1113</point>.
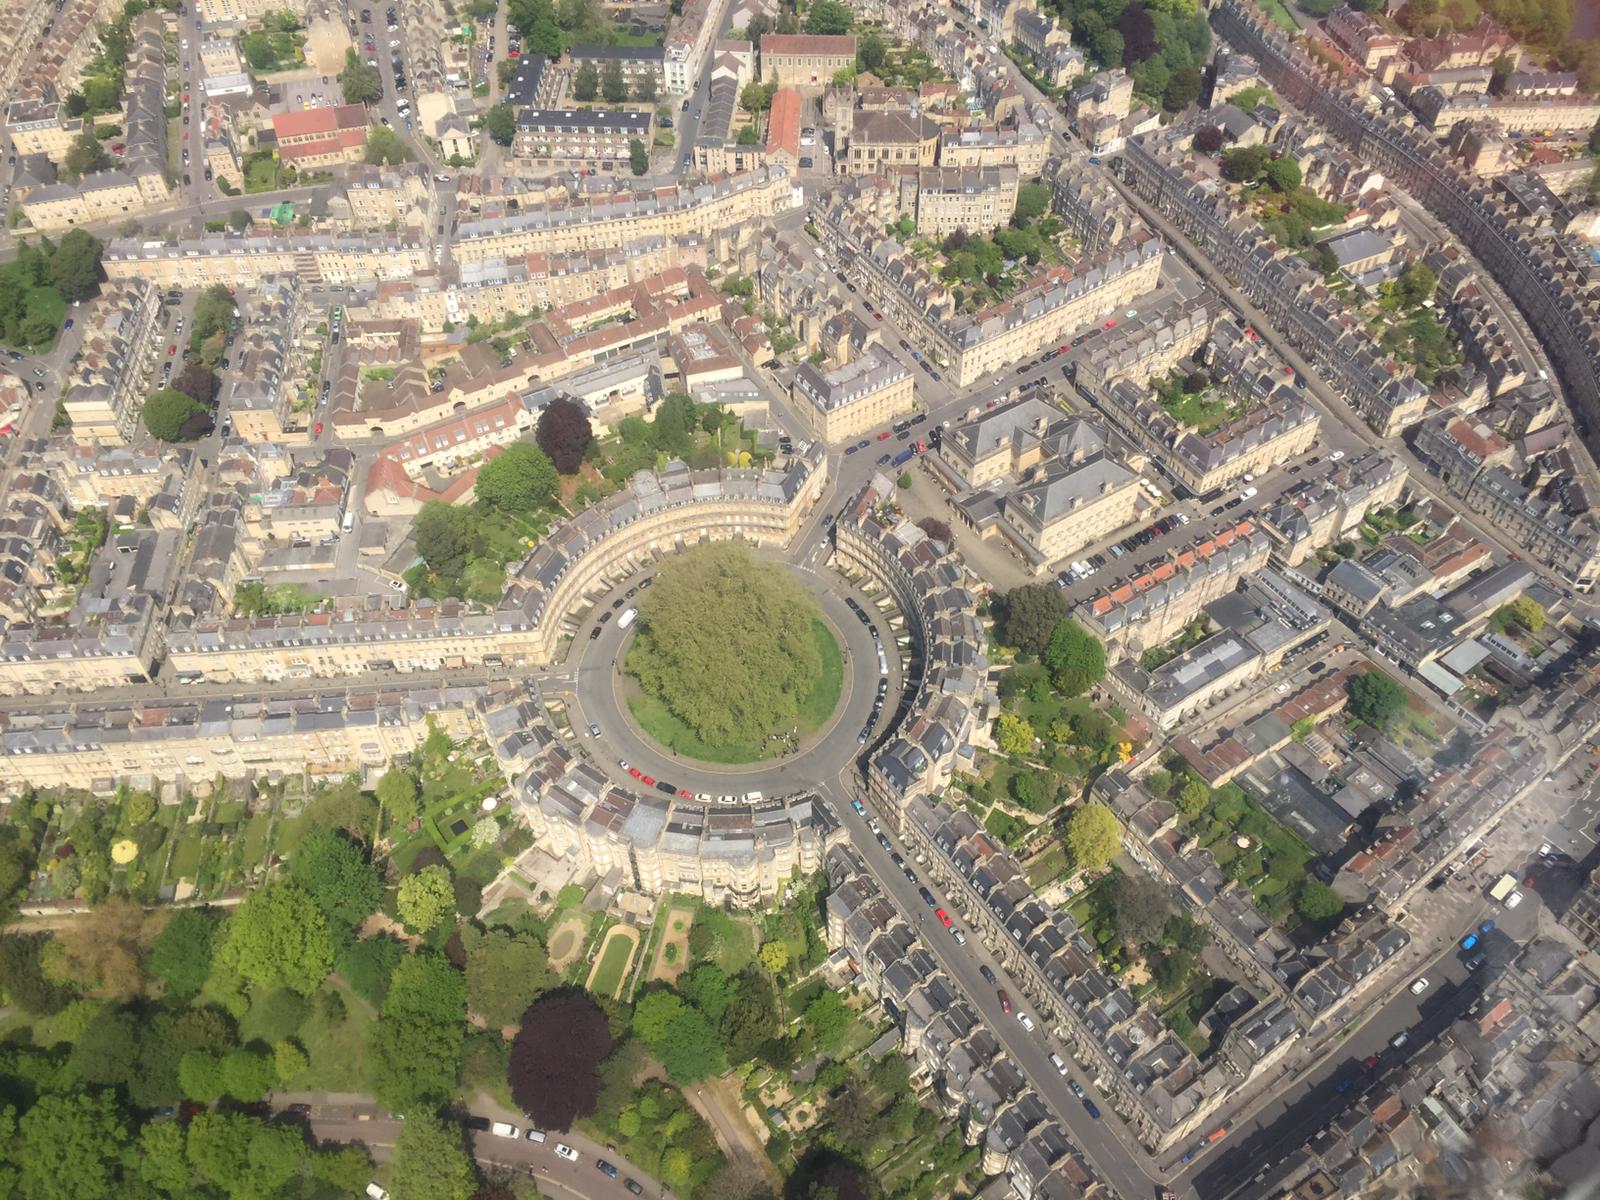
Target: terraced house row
<point>1045,311</point>
<point>970,1075</point>
<point>742,855</point>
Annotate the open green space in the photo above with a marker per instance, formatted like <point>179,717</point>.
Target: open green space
<point>613,962</point>
<point>815,707</point>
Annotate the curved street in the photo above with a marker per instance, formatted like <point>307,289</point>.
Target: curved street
<point>595,682</point>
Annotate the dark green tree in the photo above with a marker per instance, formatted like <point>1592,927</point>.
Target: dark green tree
<point>431,1162</point>
<point>1076,659</point>
<point>338,876</point>
<point>1031,614</point>
<point>173,417</point>
<point>1375,698</point>
<point>501,124</point>
<point>521,479</point>
<point>586,81</point>
<point>612,84</point>
<point>75,264</point>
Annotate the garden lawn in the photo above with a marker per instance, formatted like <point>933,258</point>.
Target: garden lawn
<point>612,964</point>
<point>337,1051</point>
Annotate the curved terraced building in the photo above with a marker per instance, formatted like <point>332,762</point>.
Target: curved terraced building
<point>948,675</point>
<point>741,855</point>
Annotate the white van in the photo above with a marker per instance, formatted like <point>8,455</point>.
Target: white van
<point>1055,1061</point>
<point>349,521</point>
<point>501,1129</point>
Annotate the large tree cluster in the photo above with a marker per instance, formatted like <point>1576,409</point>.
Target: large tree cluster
<point>727,644</point>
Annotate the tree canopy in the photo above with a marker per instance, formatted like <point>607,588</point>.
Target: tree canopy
<point>521,479</point>
<point>1076,659</point>
<point>425,898</point>
<point>431,1162</point>
<point>727,645</point>
<point>1031,614</point>
<point>336,874</point>
<point>556,1057</point>
<point>564,434</point>
<point>174,417</point>
<point>500,123</point>
<point>1375,698</point>
<point>359,83</point>
<point>279,936</point>
<point>1094,835</point>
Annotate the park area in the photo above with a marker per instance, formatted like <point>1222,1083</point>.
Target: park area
<point>732,662</point>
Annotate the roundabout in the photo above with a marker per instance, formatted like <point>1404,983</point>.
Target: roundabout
<point>632,750</point>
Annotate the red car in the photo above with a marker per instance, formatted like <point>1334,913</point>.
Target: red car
<point>319,428</point>
<point>685,794</point>
<point>1111,324</point>
<point>884,436</point>
<point>635,772</point>
<point>944,917</point>
<point>7,430</point>
<point>171,350</point>
<point>1005,1001</point>
<point>650,780</point>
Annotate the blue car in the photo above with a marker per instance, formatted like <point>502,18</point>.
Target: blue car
<point>1486,927</point>
<point>851,449</point>
<point>1093,1109</point>
<point>859,807</point>
<point>1468,942</point>
<point>605,1168</point>
<point>927,897</point>
<point>1346,1084</point>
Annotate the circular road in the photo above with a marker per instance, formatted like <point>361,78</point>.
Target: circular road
<point>598,689</point>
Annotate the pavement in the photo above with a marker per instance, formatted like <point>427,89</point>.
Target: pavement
<point>347,1117</point>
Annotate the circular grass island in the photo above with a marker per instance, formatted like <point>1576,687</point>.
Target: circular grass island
<point>732,661</point>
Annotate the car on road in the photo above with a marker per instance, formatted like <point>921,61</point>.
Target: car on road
<point>1419,986</point>
<point>567,1152</point>
<point>669,788</point>
<point>1005,1001</point>
<point>634,771</point>
<point>594,730</point>
<point>927,897</point>
<point>1514,899</point>
<point>944,917</point>
<point>1468,942</point>
<point>1027,1021</point>
<point>863,443</point>
<point>988,974</point>
<point>633,1186</point>
<point>1093,1109</point>
<point>860,808</point>
<point>685,794</point>
<point>1476,961</point>
<point>605,1168</point>
<point>319,429</point>
<point>883,841</point>
<point>1076,1089</point>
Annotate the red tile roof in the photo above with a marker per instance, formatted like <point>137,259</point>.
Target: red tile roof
<point>783,122</point>
<point>319,120</point>
<point>807,43</point>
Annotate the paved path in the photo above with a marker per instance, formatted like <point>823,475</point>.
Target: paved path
<point>350,1117</point>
